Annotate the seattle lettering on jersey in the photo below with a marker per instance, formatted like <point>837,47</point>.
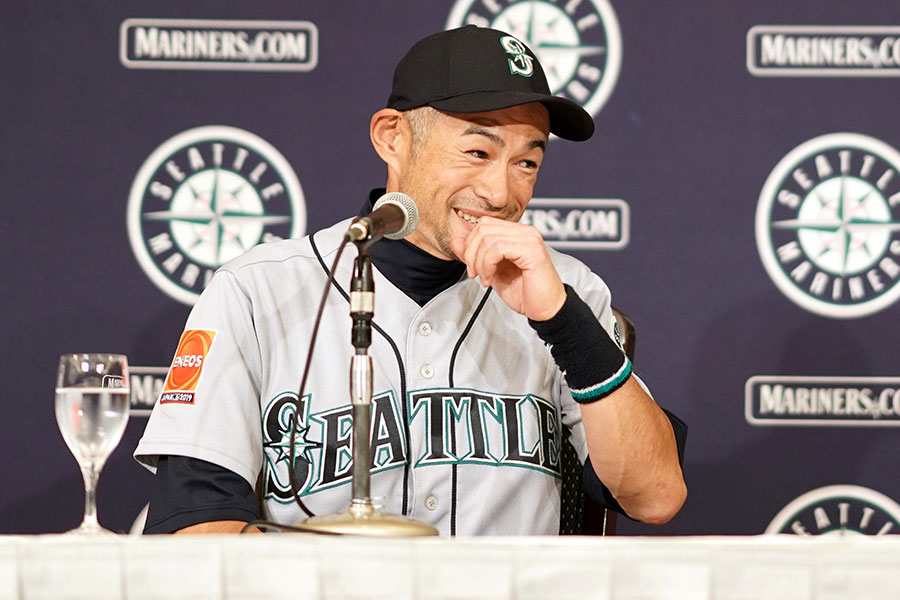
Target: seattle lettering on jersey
<point>468,426</point>
<point>461,427</point>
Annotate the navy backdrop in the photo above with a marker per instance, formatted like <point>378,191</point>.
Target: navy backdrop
<point>728,228</point>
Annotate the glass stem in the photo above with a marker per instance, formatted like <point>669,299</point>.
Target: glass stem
<point>91,474</point>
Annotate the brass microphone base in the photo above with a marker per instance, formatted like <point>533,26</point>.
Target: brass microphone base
<point>362,519</point>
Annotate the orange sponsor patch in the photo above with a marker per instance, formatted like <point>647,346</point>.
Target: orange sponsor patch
<point>193,348</point>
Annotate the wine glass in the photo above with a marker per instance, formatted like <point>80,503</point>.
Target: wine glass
<point>92,410</point>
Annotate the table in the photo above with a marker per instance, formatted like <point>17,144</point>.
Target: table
<point>276,566</point>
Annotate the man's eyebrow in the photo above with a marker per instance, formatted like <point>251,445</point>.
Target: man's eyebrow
<point>477,130</point>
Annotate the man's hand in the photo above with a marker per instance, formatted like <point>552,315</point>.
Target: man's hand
<point>513,259</point>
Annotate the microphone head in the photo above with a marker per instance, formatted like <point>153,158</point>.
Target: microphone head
<point>406,204</point>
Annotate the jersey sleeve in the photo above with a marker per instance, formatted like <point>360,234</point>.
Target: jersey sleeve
<point>209,406</point>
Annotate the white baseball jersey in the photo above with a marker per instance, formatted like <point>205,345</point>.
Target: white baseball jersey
<point>472,451</point>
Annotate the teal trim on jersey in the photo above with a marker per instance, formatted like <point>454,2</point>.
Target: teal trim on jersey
<point>411,413</point>
<point>535,449</point>
<point>345,471</point>
<point>556,442</point>
<point>604,388</point>
<point>345,459</point>
<point>271,467</point>
<point>399,415</point>
<point>318,464</point>
<point>457,415</point>
<point>454,419</point>
<point>509,464</point>
<point>497,415</point>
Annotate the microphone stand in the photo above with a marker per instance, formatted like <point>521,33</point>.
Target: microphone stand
<point>361,518</point>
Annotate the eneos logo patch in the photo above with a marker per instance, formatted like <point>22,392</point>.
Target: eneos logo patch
<point>193,348</point>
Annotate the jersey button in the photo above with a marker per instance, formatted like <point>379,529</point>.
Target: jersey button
<point>431,503</point>
<point>427,371</point>
<point>424,328</point>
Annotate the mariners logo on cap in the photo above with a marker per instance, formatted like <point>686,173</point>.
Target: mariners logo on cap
<point>520,63</point>
<point>838,510</point>
<point>206,196</point>
<point>577,43</point>
<point>828,225</point>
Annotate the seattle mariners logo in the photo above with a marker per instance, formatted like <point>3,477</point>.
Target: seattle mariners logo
<point>206,196</point>
<point>323,454</point>
<point>828,225</point>
<point>459,426</point>
<point>578,43</point>
<point>277,444</point>
<point>838,510</point>
<point>520,63</point>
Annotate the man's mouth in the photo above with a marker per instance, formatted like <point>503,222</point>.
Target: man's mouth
<point>467,217</point>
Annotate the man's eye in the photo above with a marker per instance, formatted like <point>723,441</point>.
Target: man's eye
<point>478,153</point>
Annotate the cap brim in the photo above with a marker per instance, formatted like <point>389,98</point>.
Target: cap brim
<point>568,120</point>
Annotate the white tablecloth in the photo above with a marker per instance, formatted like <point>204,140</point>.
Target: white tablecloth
<point>269,567</point>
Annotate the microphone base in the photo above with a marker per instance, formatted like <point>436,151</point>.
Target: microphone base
<point>362,519</point>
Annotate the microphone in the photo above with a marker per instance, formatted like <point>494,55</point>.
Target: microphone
<point>394,216</point>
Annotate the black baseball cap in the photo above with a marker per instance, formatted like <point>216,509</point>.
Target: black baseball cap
<point>475,69</point>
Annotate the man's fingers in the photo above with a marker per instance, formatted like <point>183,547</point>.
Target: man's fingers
<point>499,253</point>
<point>494,241</point>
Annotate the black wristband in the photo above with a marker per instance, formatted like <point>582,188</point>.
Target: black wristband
<point>593,364</point>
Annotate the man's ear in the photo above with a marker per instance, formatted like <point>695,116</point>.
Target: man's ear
<point>391,137</point>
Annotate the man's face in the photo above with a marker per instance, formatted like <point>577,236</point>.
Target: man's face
<point>472,165</point>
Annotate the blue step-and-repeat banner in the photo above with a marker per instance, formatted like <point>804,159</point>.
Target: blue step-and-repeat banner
<point>741,197</point>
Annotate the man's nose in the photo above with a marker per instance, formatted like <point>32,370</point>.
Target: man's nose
<point>493,185</point>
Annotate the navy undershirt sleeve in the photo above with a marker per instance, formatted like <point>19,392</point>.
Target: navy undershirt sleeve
<point>187,491</point>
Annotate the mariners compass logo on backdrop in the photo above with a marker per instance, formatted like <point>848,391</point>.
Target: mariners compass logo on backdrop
<point>206,196</point>
<point>838,510</point>
<point>578,42</point>
<point>828,225</point>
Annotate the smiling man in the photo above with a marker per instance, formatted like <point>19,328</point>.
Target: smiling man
<point>490,346</point>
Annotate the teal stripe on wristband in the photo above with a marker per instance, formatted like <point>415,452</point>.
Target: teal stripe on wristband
<point>604,388</point>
